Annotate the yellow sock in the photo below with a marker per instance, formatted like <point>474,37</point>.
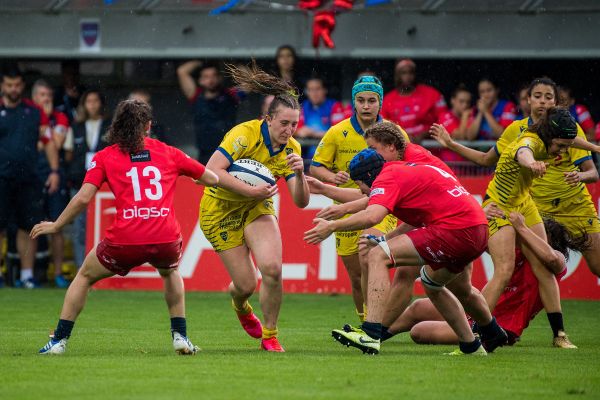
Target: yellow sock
<point>269,333</point>
<point>362,316</point>
<point>246,308</point>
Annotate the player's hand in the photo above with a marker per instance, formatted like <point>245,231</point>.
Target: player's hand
<point>572,178</point>
<point>320,232</point>
<point>538,168</point>
<point>492,211</point>
<point>53,182</point>
<point>43,228</point>
<point>335,211</point>
<point>440,134</point>
<point>295,163</point>
<point>483,105</point>
<point>315,186</point>
<point>341,177</point>
<point>516,219</point>
<point>263,191</point>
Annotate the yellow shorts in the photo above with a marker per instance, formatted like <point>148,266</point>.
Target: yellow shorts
<point>223,221</point>
<point>527,209</point>
<point>577,214</point>
<point>346,242</point>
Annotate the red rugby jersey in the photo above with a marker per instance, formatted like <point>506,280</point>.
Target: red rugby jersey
<point>144,187</point>
<point>415,112</point>
<point>423,195</point>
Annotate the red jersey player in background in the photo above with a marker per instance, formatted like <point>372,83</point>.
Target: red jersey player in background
<point>456,120</point>
<point>578,111</point>
<point>450,233</point>
<point>142,173</point>
<point>519,303</point>
<point>413,106</point>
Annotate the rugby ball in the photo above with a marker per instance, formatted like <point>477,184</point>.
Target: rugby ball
<point>251,172</point>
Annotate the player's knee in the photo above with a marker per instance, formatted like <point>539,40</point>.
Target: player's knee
<point>419,335</point>
<point>245,288</point>
<point>377,256</point>
<point>430,285</point>
<point>271,270</point>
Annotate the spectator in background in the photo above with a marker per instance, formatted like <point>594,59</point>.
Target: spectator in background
<point>89,137</point>
<point>22,124</point>
<point>456,120</point>
<point>286,62</point>
<point>523,108</point>
<point>66,97</point>
<point>157,131</point>
<point>53,203</point>
<point>318,113</point>
<point>213,105</point>
<point>578,111</point>
<point>492,115</point>
<point>413,106</point>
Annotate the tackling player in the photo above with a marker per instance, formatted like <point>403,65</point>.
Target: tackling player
<point>239,219</point>
<point>141,173</point>
<point>520,301</point>
<point>451,232</point>
<point>330,164</point>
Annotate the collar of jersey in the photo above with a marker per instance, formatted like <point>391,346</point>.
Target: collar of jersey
<point>529,121</point>
<point>356,125</point>
<point>264,129</point>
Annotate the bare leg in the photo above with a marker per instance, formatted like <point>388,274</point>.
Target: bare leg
<point>420,310</point>
<point>433,332</point>
<point>243,275</point>
<point>27,247</point>
<point>471,299</point>
<point>364,270</point>
<point>353,267</point>
<point>448,305</point>
<point>379,282</point>
<point>502,249</point>
<point>264,240</point>
<point>91,272</point>
<point>174,292</point>
<point>592,255</point>
<point>400,294</point>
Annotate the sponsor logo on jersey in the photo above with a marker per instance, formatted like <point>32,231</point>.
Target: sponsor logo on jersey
<point>377,191</point>
<point>145,212</point>
<point>223,236</point>
<point>289,150</point>
<point>142,156</point>
<point>92,165</point>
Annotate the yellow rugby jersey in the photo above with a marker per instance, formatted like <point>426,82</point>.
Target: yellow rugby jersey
<point>551,187</point>
<point>340,144</point>
<point>511,183</point>
<point>251,140</point>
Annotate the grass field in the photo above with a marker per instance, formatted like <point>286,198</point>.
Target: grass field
<point>121,349</point>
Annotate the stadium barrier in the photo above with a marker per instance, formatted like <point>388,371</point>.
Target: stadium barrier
<point>306,268</point>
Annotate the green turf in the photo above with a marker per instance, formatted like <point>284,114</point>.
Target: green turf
<point>121,349</point>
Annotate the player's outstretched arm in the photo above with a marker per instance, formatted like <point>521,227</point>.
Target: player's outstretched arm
<point>550,258</point>
<point>580,143</point>
<point>441,135</point>
<point>78,203</point>
<point>337,211</point>
<point>325,175</point>
<point>342,195</point>
<point>525,158</point>
<point>364,219</point>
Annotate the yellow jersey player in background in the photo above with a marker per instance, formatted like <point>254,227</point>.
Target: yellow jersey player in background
<point>520,163</point>
<point>571,205</point>
<point>239,219</point>
<point>330,164</point>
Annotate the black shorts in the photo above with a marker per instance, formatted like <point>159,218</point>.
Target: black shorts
<point>21,202</point>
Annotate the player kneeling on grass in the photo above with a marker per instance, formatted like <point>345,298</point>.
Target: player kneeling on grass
<point>452,232</point>
<point>520,301</point>
<point>142,173</point>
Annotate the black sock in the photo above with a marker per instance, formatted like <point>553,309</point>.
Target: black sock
<point>556,322</point>
<point>385,333</point>
<point>469,348</point>
<point>372,329</point>
<point>178,325</point>
<point>63,329</point>
<point>490,329</point>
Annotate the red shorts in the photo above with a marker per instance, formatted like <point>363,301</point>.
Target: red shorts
<point>452,249</point>
<point>121,258</point>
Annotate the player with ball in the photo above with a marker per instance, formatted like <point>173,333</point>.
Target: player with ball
<point>238,217</point>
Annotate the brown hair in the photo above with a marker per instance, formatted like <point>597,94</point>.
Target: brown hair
<point>551,126</point>
<point>388,133</point>
<point>82,114</point>
<point>128,127</point>
<point>562,240</point>
<point>253,79</point>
